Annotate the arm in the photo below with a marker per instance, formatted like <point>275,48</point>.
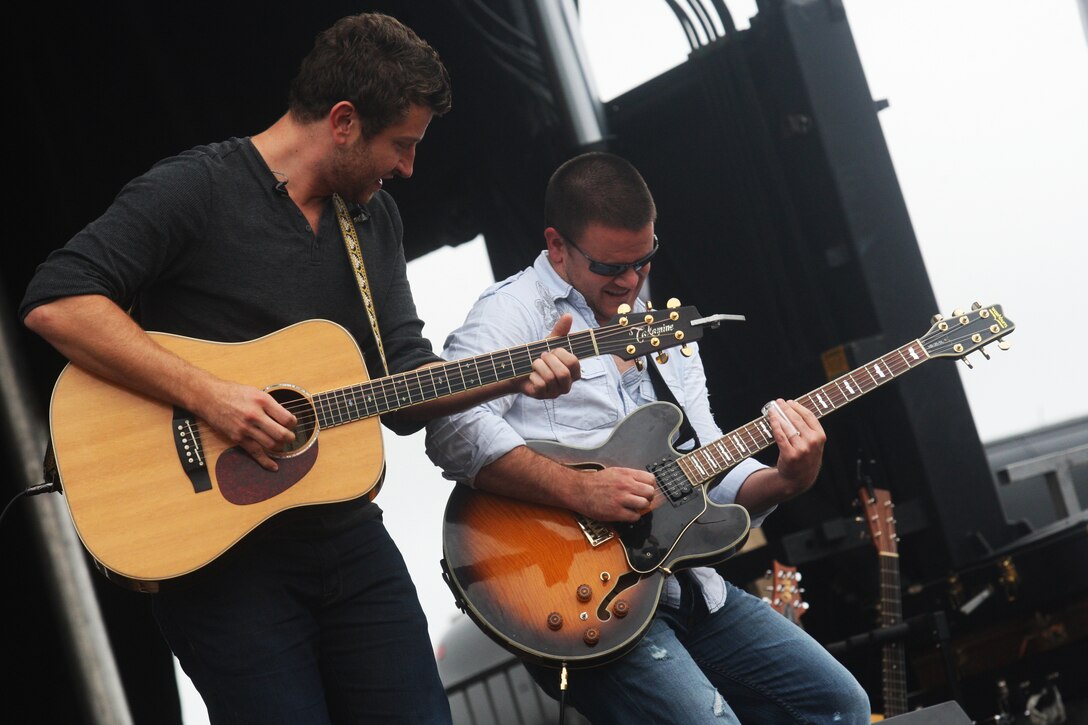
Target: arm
<point>120,351</point>
<point>611,494</point>
<point>485,445</point>
<point>552,375</point>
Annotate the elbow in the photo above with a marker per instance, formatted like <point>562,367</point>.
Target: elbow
<point>40,319</point>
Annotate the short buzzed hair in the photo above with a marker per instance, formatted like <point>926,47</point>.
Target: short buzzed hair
<point>378,64</point>
<point>597,187</point>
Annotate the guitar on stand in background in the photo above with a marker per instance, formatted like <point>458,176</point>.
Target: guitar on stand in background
<point>878,508</point>
<point>779,588</point>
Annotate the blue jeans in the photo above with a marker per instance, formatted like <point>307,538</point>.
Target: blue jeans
<point>743,663</point>
<point>307,630</point>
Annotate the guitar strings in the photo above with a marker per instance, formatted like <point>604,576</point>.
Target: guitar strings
<point>606,339</point>
<point>487,366</point>
<point>581,344</point>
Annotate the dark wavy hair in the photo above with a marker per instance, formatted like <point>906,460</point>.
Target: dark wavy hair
<point>378,64</point>
<point>597,187</point>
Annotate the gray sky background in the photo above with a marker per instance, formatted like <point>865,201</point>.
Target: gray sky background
<point>987,132</point>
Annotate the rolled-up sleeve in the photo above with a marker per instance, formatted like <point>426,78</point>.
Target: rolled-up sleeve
<point>463,443</point>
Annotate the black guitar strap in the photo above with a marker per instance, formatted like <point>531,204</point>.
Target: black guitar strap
<point>687,432</point>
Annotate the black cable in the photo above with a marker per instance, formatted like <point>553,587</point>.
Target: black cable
<point>703,17</point>
<point>32,491</point>
<point>563,694</point>
<point>726,16</point>
<point>685,23</point>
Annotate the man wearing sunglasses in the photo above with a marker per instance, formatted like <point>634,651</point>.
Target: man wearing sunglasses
<point>713,653</point>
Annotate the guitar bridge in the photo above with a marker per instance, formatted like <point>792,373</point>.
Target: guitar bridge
<point>595,532</point>
<point>190,450</point>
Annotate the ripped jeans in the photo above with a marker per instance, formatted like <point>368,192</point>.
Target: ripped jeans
<point>745,663</point>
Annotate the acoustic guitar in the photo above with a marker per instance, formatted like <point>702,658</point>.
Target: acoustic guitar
<point>782,584</point>
<point>563,590</point>
<point>155,493</point>
<point>878,507</point>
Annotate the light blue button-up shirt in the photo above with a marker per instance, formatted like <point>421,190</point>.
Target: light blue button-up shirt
<point>524,308</point>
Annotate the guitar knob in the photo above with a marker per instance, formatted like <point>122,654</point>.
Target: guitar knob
<point>591,636</point>
<point>583,593</point>
<point>555,621</point>
<point>621,608</point>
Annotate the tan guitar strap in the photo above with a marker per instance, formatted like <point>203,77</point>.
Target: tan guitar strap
<point>351,241</point>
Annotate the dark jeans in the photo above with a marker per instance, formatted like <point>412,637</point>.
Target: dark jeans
<point>307,629</point>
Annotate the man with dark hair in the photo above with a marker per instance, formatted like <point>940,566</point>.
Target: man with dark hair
<point>713,652</point>
<point>312,616</point>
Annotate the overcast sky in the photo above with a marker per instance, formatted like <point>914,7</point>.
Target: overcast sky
<point>986,127</point>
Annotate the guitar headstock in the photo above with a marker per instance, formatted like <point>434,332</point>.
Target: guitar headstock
<point>880,518</point>
<point>965,332</point>
<point>630,335</point>
<point>784,591</point>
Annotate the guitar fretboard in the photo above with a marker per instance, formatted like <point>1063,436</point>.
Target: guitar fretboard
<point>891,614</point>
<point>363,400</point>
<point>709,461</point>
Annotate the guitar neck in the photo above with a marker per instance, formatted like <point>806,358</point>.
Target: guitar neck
<point>708,462</point>
<point>891,614</point>
<point>384,395</point>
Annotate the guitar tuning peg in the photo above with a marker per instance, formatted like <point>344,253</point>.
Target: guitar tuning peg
<point>687,350</point>
<point>649,305</point>
<point>1003,344</point>
<point>662,357</point>
<point>639,364</point>
<point>984,353</point>
<point>968,363</point>
<point>976,306</point>
<point>623,309</point>
<point>673,303</point>
<point>957,312</point>
<point>937,318</point>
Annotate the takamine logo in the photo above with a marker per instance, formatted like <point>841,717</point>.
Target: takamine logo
<point>644,333</point>
<point>999,317</point>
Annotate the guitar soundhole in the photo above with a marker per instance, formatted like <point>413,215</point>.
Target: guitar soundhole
<point>298,403</point>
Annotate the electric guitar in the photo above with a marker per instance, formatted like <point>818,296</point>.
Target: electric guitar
<point>878,507</point>
<point>156,493</point>
<point>563,590</point>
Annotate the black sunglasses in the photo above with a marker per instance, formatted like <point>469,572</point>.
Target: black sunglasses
<point>612,270</point>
